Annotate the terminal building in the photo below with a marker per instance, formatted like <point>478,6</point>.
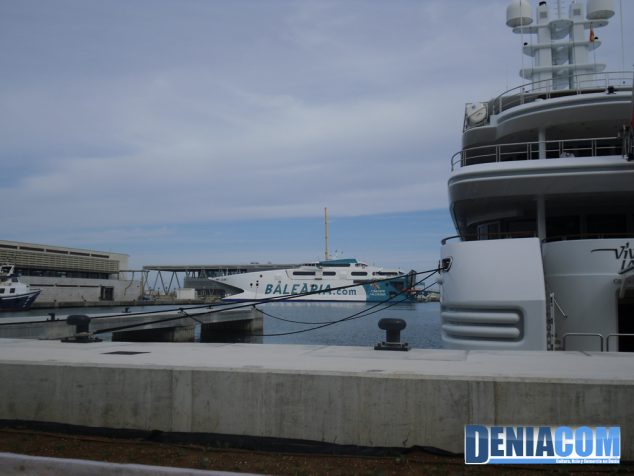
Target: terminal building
<point>198,277</point>
<point>72,276</point>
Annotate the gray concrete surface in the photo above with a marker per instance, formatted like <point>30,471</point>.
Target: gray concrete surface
<point>343,395</point>
<point>12,464</point>
<point>40,327</point>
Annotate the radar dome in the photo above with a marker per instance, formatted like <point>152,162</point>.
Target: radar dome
<point>600,9</point>
<point>476,113</point>
<point>518,13</point>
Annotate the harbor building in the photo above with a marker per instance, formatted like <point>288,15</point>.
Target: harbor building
<point>72,276</point>
<point>199,278</point>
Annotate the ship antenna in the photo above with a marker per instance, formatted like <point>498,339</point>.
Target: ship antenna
<point>622,38</point>
<point>629,142</point>
<point>326,224</point>
<point>632,119</point>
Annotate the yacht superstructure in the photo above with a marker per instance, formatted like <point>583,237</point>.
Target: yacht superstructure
<point>542,197</point>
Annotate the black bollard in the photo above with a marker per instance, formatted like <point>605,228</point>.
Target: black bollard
<point>392,328</point>
<point>82,329</point>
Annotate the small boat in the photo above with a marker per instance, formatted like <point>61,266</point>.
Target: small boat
<point>14,295</point>
<point>345,280</point>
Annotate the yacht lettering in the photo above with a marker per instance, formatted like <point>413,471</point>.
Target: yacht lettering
<point>625,254</point>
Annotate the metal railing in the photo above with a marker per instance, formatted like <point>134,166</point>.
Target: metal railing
<point>502,235</point>
<point>591,334</point>
<point>582,334</point>
<point>585,83</point>
<point>591,147</point>
<point>607,339</point>
<point>550,239</point>
<point>588,236</point>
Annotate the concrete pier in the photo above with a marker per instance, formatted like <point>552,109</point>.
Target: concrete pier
<point>168,326</point>
<point>341,395</point>
<point>12,464</point>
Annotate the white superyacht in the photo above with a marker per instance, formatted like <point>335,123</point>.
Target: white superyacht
<point>542,197</point>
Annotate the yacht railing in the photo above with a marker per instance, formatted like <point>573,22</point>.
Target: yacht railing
<point>533,234</point>
<point>607,339</point>
<point>582,334</point>
<point>583,83</point>
<point>588,236</point>
<point>502,235</point>
<point>554,149</point>
<point>604,341</point>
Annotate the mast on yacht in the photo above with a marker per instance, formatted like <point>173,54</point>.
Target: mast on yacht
<point>561,53</point>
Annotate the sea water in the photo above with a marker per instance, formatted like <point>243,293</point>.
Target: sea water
<point>349,323</point>
<point>330,323</point>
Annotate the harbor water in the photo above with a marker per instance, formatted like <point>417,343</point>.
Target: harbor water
<point>357,326</point>
<point>332,323</point>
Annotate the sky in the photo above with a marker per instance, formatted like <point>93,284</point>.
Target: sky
<point>216,131</point>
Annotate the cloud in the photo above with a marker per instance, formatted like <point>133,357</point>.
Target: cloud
<point>117,115</point>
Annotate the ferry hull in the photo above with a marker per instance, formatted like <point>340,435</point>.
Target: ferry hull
<point>276,286</point>
<point>375,292</point>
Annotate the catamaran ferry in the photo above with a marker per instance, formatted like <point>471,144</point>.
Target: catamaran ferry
<point>321,281</point>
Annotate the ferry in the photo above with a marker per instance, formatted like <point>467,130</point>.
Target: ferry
<point>14,295</point>
<point>542,198</point>
<point>345,280</point>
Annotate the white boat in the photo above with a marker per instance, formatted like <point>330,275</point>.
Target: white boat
<point>328,280</point>
<point>542,198</point>
<point>14,295</point>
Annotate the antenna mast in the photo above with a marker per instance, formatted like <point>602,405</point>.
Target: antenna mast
<point>326,223</point>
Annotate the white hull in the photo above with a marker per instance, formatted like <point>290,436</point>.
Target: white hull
<point>14,295</point>
<point>318,282</point>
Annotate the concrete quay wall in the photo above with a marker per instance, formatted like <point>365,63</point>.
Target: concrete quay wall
<point>365,399</point>
<point>43,327</point>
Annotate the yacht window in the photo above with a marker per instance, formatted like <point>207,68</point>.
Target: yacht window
<point>522,228</point>
<point>329,273</point>
<point>489,231</point>
<point>1,290</point>
<point>359,273</point>
<point>303,273</point>
<point>563,227</point>
<point>387,273</point>
<point>12,291</point>
<point>337,265</point>
<point>606,224</point>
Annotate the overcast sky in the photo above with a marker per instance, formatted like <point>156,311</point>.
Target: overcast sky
<point>207,131</point>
